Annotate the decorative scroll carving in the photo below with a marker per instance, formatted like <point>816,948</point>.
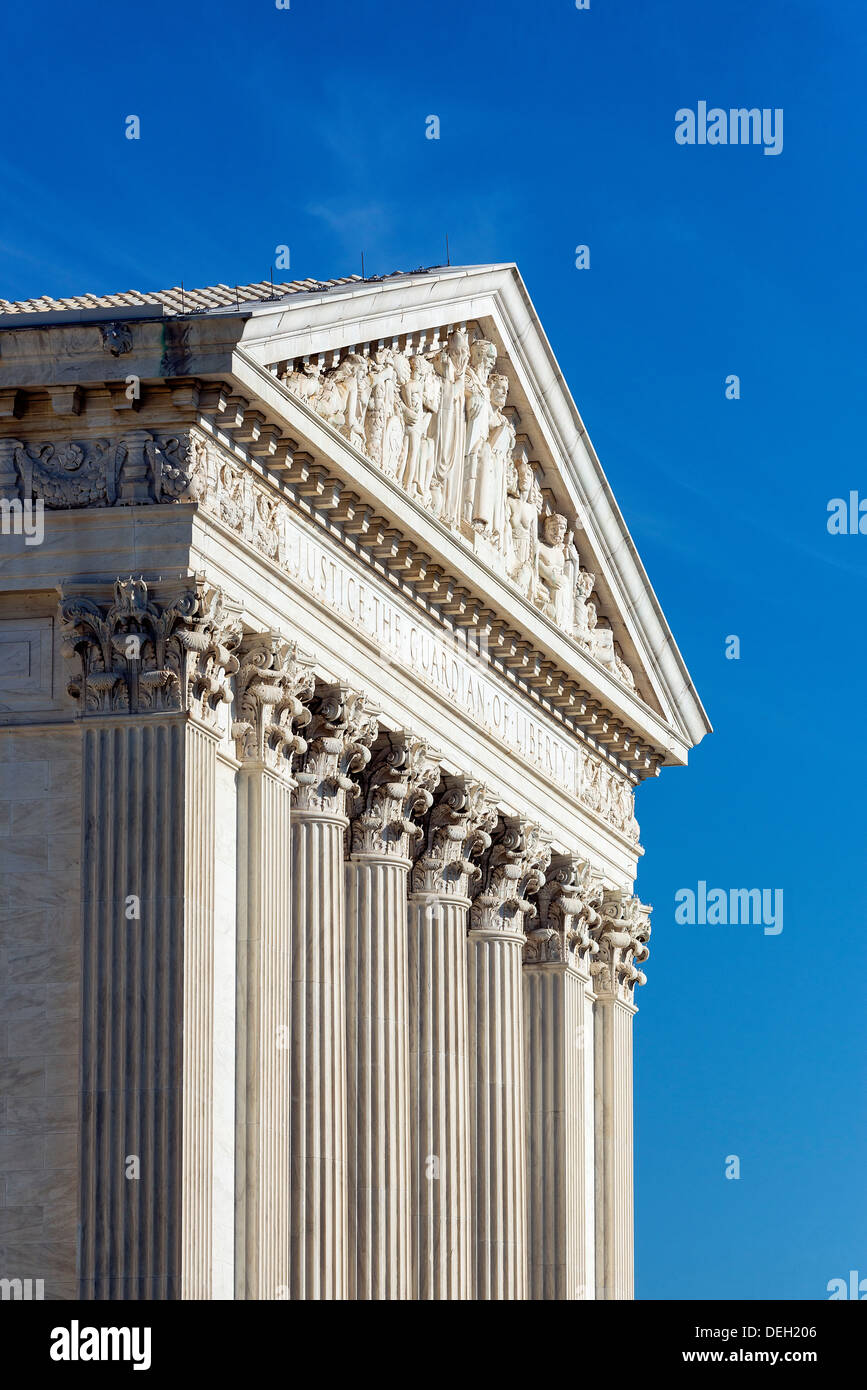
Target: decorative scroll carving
<point>137,467</point>
<point>339,738</point>
<point>622,937</point>
<point>138,655</point>
<point>273,683</point>
<point>512,869</point>
<point>458,830</point>
<point>437,424</point>
<point>601,788</point>
<point>398,785</point>
<point>570,904</point>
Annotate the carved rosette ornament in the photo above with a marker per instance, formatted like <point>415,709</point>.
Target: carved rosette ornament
<point>513,868</point>
<point>458,829</point>
<point>139,655</point>
<point>398,785</point>
<point>339,736</point>
<point>570,903</point>
<point>272,685</point>
<point>622,937</point>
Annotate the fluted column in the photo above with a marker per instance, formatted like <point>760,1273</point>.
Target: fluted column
<point>622,938</point>
<point>397,786</point>
<point>338,746</point>
<point>512,869</point>
<point>272,683</point>
<point>457,829</point>
<point>152,676</point>
<point>558,1020</point>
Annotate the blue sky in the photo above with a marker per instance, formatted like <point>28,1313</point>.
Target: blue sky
<point>306,127</point>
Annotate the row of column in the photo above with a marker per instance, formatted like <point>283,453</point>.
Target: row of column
<point>433,1018</point>
<point>485,1038</point>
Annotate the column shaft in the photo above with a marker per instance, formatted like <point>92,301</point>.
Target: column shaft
<point>147,1009</point>
<point>614,1200</point>
<point>499,1183</point>
<point>559,1071</point>
<point>318,1180</point>
<point>440,1082</point>
<point>264,1033</point>
<point>377,1034</point>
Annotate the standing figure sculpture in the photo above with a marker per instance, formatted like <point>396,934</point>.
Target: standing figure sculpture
<point>384,421</point>
<point>489,503</point>
<point>418,454</point>
<point>483,359</point>
<point>524,505</point>
<point>451,365</point>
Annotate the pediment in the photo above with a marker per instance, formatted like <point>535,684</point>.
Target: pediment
<point>422,420</point>
<point>446,383</point>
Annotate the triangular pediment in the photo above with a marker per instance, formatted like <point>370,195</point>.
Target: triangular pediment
<point>421,420</point>
<point>446,383</point>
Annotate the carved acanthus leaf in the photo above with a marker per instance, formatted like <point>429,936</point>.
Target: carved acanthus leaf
<point>570,903</point>
<point>457,831</point>
<point>513,868</point>
<point>622,937</point>
<point>398,786</point>
<point>140,655</point>
<point>339,736</point>
<point>273,683</point>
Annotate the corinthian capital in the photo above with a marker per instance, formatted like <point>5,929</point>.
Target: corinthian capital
<point>273,682</point>
<point>622,937</point>
<point>398,784</point>
<point>339,736</point>
<point>570,903</point>
<point>512,869</point>
<point>141,655</point>
<point>458,829</point>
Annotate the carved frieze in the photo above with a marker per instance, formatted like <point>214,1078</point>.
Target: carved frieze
<point>398,785</point>
<point>141,655</point>
<point>622,937</point>
<point>438,423</point>
<point>273,682</point>
<point>135,467</point>
<point>608,793</point>
<point>513,869</point>
<point>458,830</point>
<point>339,737</point>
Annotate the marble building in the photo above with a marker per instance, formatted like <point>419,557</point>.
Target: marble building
<point>328,672</point>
